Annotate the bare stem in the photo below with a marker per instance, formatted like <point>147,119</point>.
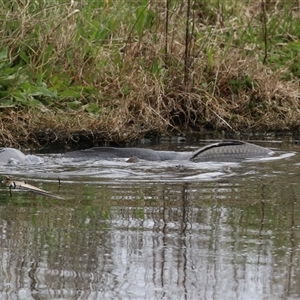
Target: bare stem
<point>187,46</point>
<point>265,29</point>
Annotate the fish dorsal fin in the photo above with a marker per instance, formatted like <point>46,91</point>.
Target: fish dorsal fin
<point>223,143</point>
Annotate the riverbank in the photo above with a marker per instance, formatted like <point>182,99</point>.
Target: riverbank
<point>76,74</point>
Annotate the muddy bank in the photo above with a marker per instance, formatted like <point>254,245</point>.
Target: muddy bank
<point>36,130</point>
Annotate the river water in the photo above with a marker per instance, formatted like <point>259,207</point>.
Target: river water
<point>150,230</point>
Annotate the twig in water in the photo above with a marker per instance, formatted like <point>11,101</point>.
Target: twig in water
<point>22,185</point>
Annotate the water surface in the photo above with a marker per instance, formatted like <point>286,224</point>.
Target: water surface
<point>153,230</point>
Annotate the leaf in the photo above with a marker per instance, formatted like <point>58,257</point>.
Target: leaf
<point>69,93</point>
<point>75,104</point>
<point>3,53</point>
<point>294,46</point>
<point>25,57</point>
<point>24,100</point>
<point>144,19</point>
<point>93,108</point>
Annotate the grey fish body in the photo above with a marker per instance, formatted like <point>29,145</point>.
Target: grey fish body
<point>222,151</point>
<point>8,155</point>
<point>110,152</point>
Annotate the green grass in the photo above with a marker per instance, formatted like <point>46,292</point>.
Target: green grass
<point>156,65</point>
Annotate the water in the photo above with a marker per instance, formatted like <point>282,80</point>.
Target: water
<point>147,230</point>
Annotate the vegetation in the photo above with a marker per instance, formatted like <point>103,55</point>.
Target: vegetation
<point>114,71</point>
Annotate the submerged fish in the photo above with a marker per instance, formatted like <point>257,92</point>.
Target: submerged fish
<point>228,150</point>
<point>224,151</point>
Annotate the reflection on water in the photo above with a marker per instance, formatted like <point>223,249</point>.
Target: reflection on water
<point>193,231</point>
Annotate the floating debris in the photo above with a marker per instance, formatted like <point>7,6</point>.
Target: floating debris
<point>22,185</point>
